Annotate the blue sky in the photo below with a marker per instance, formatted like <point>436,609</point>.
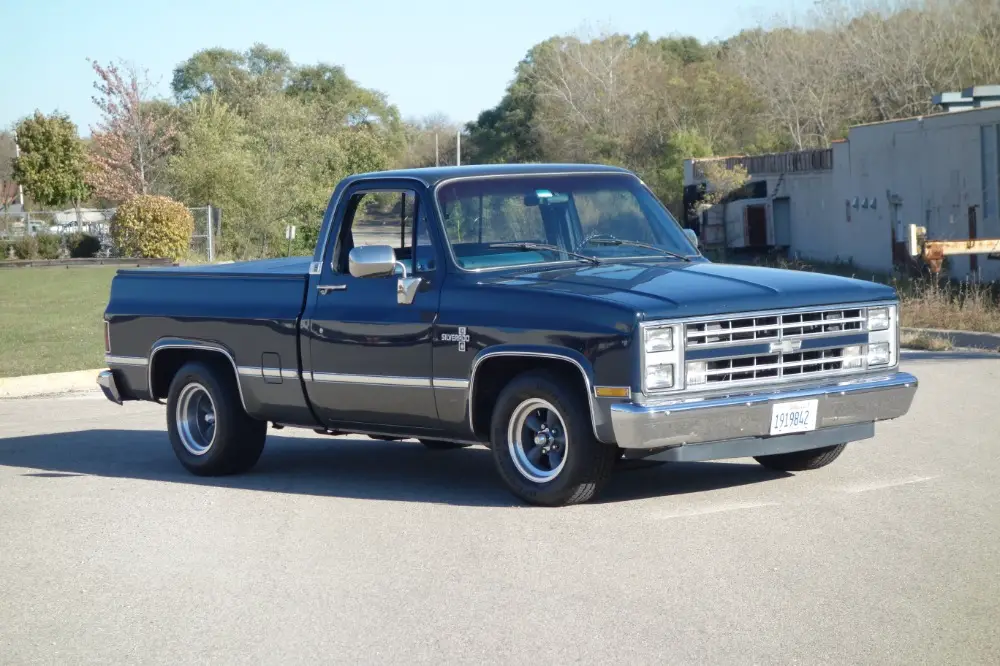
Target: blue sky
<point>429,56</point>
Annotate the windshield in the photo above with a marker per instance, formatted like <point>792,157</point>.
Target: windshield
<point>494,222</point>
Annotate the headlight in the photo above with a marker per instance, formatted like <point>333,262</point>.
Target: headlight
<point>883,336</point>
<point>659,340</point>
<point>661,357</point>
<point>660,376</point>
<point>878,354</point>
<point>878,319</point>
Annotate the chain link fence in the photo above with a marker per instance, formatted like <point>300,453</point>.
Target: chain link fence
<point>97,223</point>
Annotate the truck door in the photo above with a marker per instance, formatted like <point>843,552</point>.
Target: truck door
<point>369,358</point>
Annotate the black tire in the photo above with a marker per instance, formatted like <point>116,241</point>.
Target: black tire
<point>237,441</point>
<point>586,463</point>
<point>800,461</point>
<point>441,445</point>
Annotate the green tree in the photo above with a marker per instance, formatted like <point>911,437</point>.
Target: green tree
<point>233,76</point>
<point>508,132</point>
<point>274,163</point>
<point>420,142</point>
<point>52,164</point>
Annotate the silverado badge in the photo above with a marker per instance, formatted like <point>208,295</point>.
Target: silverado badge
<point>461,338</point>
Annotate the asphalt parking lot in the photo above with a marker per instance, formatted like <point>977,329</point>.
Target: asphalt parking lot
<point>357,551</point>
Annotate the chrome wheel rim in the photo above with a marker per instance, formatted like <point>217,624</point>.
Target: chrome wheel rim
<point>196,419</point>
<point>536,438</point>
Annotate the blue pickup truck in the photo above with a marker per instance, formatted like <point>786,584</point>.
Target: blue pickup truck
<point>557,314</point>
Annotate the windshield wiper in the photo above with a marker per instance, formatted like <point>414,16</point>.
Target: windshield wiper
<point>611,240</point>
<point>545,246</point>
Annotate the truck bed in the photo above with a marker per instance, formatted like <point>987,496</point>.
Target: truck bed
<point>246,311</point>
<point>294,266</point>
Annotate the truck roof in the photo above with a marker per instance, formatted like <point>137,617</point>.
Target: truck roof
<point>430,176</point>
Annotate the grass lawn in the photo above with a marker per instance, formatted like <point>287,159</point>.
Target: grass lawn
<point>51,319</point>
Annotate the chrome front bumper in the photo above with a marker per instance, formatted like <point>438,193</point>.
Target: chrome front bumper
<point>683,422</point>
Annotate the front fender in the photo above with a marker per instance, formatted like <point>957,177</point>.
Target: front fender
<point>600,407</point>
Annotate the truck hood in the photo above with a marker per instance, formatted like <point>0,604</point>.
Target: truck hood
<point>660,289</point>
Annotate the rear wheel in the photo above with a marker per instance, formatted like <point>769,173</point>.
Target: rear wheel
<point>800,461</point>
<point>210,432</point>
<point>543,445</point>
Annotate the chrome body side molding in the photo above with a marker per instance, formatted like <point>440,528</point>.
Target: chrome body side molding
<point>112,360</point>
<point>202,346</point>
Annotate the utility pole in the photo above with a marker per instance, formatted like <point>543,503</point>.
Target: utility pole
<point>20,191</point>
<point>20,188</point>
<point>458,148</point>
<point>211,250</point>
<point>437,159</point>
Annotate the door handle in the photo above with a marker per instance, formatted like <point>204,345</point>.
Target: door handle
<point>327,288</point>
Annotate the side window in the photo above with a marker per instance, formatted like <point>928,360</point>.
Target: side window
<point>382,218</point>
<point>386,218</point>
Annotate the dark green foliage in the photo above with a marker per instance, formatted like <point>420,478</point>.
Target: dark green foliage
<point>49,245</point>
<point>83,246</point>
<point>40,246</point>
<point>25,247</point>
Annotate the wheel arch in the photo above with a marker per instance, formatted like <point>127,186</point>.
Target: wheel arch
<point>496,364</point>
<point>167,355</point>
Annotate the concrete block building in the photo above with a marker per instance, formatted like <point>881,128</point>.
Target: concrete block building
<point>853,200</point>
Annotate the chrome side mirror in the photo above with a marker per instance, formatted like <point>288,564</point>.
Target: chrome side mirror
<point>380,261</point>
<point>692,236</point>
<point>371,261</point>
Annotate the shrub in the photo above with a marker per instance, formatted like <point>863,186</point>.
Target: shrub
<point>48,246</point>
<point>25,247</point>
<point>83,246</point>
<point>152,227</point>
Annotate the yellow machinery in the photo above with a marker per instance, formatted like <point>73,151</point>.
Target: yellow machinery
<point>934,251</point>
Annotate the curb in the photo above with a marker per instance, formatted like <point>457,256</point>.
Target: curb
<point>57,382</point>
<point>964,339</point>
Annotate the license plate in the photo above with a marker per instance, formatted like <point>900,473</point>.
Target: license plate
<point>798,416</point>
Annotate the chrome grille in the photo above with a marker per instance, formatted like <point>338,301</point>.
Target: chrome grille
<point>722,370</point>
<point>725,332</point>
<point>773,366</point>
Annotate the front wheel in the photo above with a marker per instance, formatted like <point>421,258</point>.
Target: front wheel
<point>543,445</point>
<point>800,461</point>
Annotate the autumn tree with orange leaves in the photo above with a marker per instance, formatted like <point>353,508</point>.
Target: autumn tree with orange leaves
<point>131,143</point>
